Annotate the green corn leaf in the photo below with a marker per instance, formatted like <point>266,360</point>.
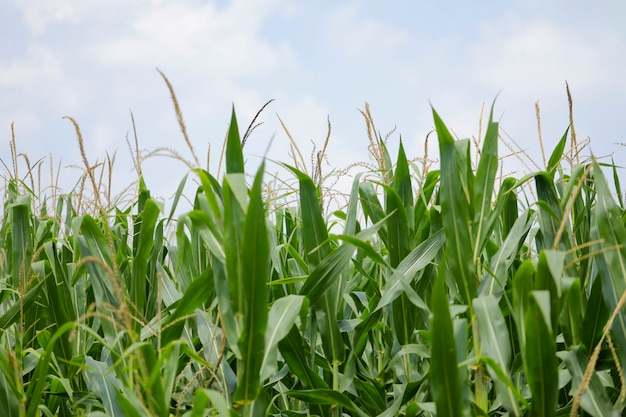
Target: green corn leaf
<point>255,256</point>
<point>507,392</point>
<point>282,316</point>
<point>292,349</point>
<point>57,306</point>
<point>540,361</point>
<point>418,259</point>
<point>510,209</point>
<point>444,375</point>
<point>9,393</point>
<point>234,148</point>
<point>203,396</point>
<point>21,238</point>
<point>157,400</point>
<point>464,169</point>
<point>12,314</point>
<point>398,229</point>
<point>492,330</point>
<point>494,281</point>
<point>211,337</point>
<point>400,225</point>
<point>571,318</point>
<point>197,294</point>
<point>325,266</point>
<point>611,263</point>
<point>235,205</point>
<point>422,221</point>
<point>484,184</point>
<point>212,191</point>
<point>314,232</point>
<point>371,396</point>
<point>595,400</point>
<point>130,404</point>
<point>551,215</point>
<point>557,154</point>
<point>548,277</point>
<point>596,316</point>
<point>327,396</point>
<point>616,181</point>
<point>143,245</point>
<point>455,216</point>
<point>372,209</point>
<point>104,385</point>
<point>495,344</point>
<point>350,227</point>
<point>523,283</point>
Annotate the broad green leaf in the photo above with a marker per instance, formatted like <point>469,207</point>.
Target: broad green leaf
<point>455,216</point>
<point>372,209</point>
<point>371,396</point>
<point>281,318</point>
<point>595,400</point>
<point>293,351</point>
<point>596,316</point>
<point>12,314</point>
<point>610,254</point>
<point>523,283</point>
<point>551,216</point>
<point>495,280</point>
<point>255,256</point>
<point>399,205</point>
<point>616,181</point>
<point>103,383</point>
<point>193,298</point>
<point>156,401</point>
<point>8,396</point>
<point>350,227</point>
<point>548,277</point>
<point>466,178</point>
<point>510,209</point>
<point>234,149</point>
<point>492,330</point>
<point>506,390</point>
<point>418,259</point>
<point>58,307</point>
<point>495,343</point>
<point>218,401</point>
<point>314,231</point>
<point>571,318</point>
<point>327,396</point>
<point>540,361</point>
<point>484,184</point>
<point>557,154</point>
<point>212,338</point>
<point>20,238</point>
<point>234,219</point>
<point>421,216</point>
<point>143,245</point>
<point>444,376</point>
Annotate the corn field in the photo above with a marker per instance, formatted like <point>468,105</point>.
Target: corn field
<point>450,292</point>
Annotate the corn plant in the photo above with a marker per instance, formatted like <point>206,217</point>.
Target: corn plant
<point>442,293</point>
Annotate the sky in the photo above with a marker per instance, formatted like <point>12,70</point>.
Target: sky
<point>320,61</point>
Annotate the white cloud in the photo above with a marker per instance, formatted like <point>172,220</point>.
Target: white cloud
<point>197,39</point>
<point>362,37</point>
<point>539,56</point>
<point>39,65</point>
<point>38,14</point>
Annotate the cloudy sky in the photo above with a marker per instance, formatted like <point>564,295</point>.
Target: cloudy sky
<point>96,61</point>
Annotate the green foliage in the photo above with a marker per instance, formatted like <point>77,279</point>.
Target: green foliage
<point>445,294</point>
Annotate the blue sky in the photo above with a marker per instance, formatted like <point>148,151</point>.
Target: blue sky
<point>95,61</point>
